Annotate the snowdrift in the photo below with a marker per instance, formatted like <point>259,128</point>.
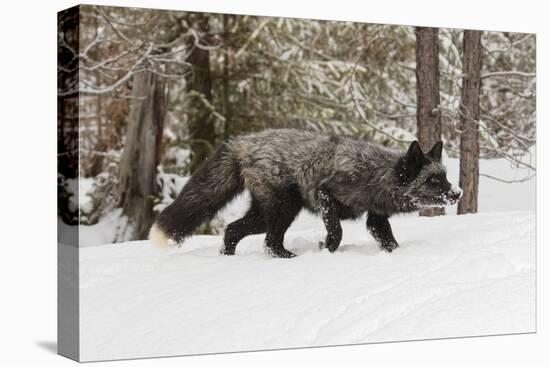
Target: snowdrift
<point>452,276</point>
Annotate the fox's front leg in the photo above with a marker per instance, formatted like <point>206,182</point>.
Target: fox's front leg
<point>379,227</point>
<point>329,212</point>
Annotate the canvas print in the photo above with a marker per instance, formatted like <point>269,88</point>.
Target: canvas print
<point>232,183</point>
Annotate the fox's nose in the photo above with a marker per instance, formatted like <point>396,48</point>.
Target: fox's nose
<point>456,194</point>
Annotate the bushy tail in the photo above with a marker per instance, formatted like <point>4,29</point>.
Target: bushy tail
<point>210,188</point>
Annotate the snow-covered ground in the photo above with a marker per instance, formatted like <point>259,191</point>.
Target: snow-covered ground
<point>452,276</point>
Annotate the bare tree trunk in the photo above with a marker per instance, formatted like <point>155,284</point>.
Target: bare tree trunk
<point>202,131</point>
<point>142,153</point>
<point>469,117</point>
<point>428,116</point>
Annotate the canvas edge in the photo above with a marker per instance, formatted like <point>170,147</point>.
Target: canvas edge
<point>68,305</point>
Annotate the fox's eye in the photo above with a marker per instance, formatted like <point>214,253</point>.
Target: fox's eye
<point>434,180</point>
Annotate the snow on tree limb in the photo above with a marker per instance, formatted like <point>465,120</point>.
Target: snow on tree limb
<point>508,73</point>
<point>525,179</point>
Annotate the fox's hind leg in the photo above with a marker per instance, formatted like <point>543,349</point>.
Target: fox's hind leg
<point>280,208</point>
<point>379,227</point>
<point>251,223</point>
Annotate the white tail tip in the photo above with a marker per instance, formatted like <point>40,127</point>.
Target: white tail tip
<point>159,238</point>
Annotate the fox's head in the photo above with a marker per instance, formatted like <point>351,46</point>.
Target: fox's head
<point>425,179</point>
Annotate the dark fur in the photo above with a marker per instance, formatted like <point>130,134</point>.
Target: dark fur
<point>287,170</point>
<point>202,196</point>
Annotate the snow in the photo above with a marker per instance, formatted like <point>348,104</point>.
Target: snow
<point>85,186</point>
<point>111,227</point>
<point>451,276</point>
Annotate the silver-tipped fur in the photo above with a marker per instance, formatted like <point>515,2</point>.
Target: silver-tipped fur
<point>286,170</point>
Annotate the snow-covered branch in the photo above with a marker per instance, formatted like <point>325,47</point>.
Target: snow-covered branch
<point>513,73</point>
<point>115,29</point>
<point>509,47</point>
<point>525,179</point>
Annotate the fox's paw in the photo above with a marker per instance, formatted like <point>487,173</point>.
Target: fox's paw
<point>389,246</point>
<point>279,252</point>
<point>330,245</point>
<point>227,251</point>
<point>284,253</point>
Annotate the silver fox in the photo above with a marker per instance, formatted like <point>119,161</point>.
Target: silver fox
<point>286,170</point>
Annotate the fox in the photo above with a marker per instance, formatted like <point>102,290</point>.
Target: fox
<point>287,170</point>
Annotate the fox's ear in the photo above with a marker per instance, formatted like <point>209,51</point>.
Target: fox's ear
<point>435,152</point>
<point>414,159</point>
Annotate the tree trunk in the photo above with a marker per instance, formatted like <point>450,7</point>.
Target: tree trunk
<point>428,115</point>
<point>469,117</point>
<point>142,152</point>
<point>202,133</point>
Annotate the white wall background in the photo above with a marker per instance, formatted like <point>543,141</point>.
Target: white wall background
<point>28,184</point>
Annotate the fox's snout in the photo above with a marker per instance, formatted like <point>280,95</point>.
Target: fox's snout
<point>454,195</point>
